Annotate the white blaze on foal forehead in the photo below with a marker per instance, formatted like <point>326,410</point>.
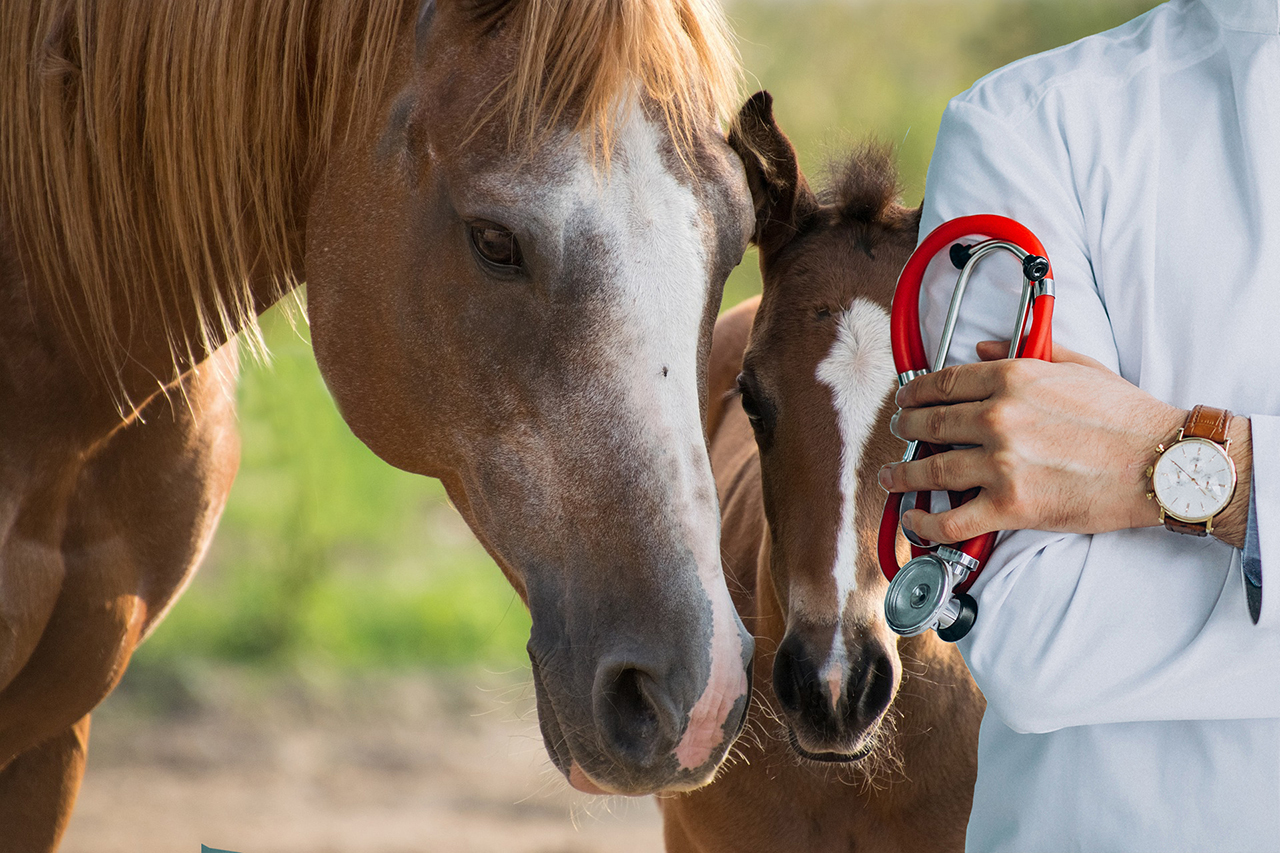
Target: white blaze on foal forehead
<point>859,371</point>
<point>656,233</point>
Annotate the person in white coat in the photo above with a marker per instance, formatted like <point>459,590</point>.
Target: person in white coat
<point>1131,669</point>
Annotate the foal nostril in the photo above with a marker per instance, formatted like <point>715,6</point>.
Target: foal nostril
<point>870,693</point>
<point>796,684</point>
<point>634,715</point>
<point>788,678</point>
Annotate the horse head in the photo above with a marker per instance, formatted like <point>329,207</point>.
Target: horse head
<point>512,287</point>
<point>816,381</point>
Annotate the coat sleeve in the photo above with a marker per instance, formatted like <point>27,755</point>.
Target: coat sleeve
<point>1074,629</point>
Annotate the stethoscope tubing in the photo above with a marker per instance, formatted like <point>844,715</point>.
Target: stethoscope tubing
<point>910,359</point>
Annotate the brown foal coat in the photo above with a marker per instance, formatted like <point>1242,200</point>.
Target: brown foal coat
<point>777,480</point>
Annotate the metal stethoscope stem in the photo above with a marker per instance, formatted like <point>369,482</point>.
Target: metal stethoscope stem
<point>931,590</point>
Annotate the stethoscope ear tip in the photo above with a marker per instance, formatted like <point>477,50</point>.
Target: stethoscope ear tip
<point>960,255</point>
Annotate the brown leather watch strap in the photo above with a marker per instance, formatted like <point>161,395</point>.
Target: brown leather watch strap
<point>1212,424</point>
<point>1191,528</point>
<point>1207,422</point>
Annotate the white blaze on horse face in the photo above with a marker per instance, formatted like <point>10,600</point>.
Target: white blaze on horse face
<point>859,371</point>
<point>834,670</point>
<point>663,273</point>
<point>655,280</point>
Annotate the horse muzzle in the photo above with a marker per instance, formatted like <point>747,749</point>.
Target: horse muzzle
<point>643,730</point>
<point>833,704</point>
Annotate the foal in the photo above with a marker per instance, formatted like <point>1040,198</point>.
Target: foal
<point>856,739</point>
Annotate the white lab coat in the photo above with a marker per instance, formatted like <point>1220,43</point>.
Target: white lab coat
<point>1132,702</point>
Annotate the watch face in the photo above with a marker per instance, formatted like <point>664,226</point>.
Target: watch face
<point>1194,480</point>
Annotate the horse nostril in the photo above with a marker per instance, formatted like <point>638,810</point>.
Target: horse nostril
<point>871,694</point>
<point>788,676</point>
<point>799,689</point>
<point>632,715</point>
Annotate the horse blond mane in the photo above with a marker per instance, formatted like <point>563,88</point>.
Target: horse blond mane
<point>151,151</point>
<point>588,57</point>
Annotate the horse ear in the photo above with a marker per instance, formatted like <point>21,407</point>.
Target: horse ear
<point>782,196</point>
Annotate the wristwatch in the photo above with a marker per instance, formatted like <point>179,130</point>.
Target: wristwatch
<point>1194,478</point>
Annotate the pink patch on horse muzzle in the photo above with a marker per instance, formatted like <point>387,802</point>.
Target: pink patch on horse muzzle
<point>728,689</point>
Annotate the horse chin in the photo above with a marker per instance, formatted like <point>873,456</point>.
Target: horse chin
<point>863,749</point>
<point>579,779</point>
<point>558,747</point>
<point>552,735</point>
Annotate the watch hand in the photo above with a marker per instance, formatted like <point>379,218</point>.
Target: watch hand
<point>1192,479</point>
<point>1185,471</point>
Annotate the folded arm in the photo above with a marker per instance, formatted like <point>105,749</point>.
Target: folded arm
<point>1088,613</point>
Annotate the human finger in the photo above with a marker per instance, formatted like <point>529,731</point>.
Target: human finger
<point>955,525</point>
<point>993,350</point>
<point>1063,355</point>
<point>951,470</point>
<point>996,350</point>
<point>960,423</point>
<point>961,383</point>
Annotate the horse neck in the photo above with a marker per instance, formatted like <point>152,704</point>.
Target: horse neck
<point>770,617</point>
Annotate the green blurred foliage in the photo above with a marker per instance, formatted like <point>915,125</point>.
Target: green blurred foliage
<point>844,70</point>
<point>326,554</point>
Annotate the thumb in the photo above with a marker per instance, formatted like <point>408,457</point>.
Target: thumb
<point>996,350</point>
<point>1062,354</point>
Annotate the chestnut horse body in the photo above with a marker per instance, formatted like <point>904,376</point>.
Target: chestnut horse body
<point>858,739</point>
<point>515,220</point>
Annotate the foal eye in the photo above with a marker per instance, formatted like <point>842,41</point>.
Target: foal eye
<point>496,245</point>
<point>749,404</point>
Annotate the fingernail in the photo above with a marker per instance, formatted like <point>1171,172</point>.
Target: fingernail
<point>893,423</point>
<point>912,537</point>
<point>886,477</point>
<point>901,396</point>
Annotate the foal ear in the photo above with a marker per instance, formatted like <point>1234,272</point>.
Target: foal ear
<point>782,196</point>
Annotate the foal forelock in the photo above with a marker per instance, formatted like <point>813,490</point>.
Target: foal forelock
<point>859,371</point>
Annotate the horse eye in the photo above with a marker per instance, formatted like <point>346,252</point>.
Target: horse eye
<point>496,245</point>
<point>749,404</point>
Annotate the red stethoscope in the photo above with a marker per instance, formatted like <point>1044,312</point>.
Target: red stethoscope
<point>931,590</point>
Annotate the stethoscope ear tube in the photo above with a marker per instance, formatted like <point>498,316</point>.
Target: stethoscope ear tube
<point>931,590</point>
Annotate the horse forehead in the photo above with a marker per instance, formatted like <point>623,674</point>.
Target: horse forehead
<point>641,192</point>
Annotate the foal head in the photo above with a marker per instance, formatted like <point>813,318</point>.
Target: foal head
<point>513,278</point>
<point>815,384</point>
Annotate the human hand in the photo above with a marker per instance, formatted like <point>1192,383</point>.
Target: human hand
<point>1061,445</point>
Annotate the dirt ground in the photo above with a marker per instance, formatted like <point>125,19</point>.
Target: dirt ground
<point>326,764</point>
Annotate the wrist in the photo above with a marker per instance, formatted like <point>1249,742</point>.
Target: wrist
<point>1230,437</point>
<point>1163,432</point>
<point>1229,526</point>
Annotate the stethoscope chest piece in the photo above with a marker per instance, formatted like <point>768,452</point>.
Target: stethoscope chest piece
<point>916,595</point>
<point>920,598</point>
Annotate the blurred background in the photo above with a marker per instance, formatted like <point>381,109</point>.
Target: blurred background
<point>347,670</point>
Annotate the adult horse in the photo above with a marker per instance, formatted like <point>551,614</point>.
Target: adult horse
<point>515,220</point>
<point>860,740</point>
